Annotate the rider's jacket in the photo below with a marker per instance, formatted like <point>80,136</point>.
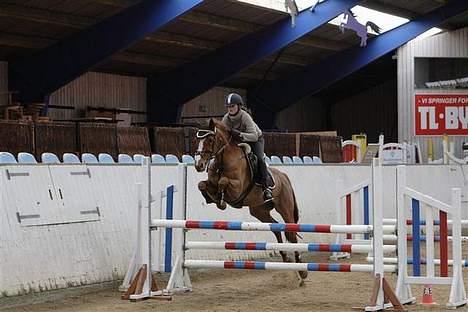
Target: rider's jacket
<point>243,122</point>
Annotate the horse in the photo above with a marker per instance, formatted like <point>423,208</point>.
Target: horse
<point>230,181</point>
<point>350,22</point>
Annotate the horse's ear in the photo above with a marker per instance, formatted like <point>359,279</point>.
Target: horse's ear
<point>211,124</point>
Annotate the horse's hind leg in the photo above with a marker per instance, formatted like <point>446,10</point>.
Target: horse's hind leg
<point>288,217</point>
<point>264,216</point>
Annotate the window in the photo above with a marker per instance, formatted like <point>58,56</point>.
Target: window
<point>441,73</point>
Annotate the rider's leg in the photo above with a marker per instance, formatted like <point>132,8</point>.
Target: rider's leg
<point>258,150</point>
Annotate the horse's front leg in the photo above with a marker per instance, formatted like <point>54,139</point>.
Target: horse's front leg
<point>208,191</point>
<point>223,184</point>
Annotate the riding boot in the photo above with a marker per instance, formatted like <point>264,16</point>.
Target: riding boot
<point>267,194</point>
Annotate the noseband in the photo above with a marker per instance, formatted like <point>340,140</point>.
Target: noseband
<point>202,134</point>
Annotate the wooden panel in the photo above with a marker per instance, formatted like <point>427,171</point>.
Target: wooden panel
<point>191,142</point>
<point>16,137</point>
<point>309,145</point>
<point>133,140</point>
<point>100,90</point>
<point>209,104</point>
<point>168,141</point>
<point>57,138</point>
<point>330,148</point>
<point>280,144</point>
<point>98,138</point>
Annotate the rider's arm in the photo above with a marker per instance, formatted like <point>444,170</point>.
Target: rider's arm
<point>250,134</point>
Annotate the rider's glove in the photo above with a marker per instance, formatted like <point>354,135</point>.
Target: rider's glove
<point>236,134</point>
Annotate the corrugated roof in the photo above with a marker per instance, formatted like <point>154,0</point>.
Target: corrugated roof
<point>29,25</point>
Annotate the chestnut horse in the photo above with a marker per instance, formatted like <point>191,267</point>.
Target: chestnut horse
<point>230,181</point>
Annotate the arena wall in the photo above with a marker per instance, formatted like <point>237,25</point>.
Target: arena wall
<point>78,221</point>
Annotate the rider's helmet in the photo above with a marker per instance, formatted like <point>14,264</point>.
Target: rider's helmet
<point>233,99</point>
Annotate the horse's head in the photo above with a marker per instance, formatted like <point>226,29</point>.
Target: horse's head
<point>210,143</point>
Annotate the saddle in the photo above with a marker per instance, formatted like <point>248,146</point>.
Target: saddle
<point>252,162</point>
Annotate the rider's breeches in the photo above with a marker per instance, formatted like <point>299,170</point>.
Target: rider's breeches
<point>258,150</point>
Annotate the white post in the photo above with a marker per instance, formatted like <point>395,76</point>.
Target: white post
<point>179,281</point>
<point>445,149</point>
<point>403,290</point>
<point>142,255</point>
<point>145,227</point>
<point>136,258</point>
<point>378,227</point>
<point>340,220</point>
<point>457,292</point>
<point>430,268</point>
<point>377,239</point>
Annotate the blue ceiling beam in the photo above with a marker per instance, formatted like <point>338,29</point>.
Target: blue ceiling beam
<point>279,94</point>
<point>185,83</point>
<point>55,66</point>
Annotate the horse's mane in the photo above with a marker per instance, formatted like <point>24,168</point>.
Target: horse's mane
<point>223,129</point>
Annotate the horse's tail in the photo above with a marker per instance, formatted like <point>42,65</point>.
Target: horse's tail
<point>296,209</point>
<point>374,27</point>
<point>296,212</point>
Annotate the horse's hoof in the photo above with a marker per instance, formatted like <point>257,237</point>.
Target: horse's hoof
<point>287,259</point>
<point>303,274</point>
<point>222,205</point>
<point>202,186</point>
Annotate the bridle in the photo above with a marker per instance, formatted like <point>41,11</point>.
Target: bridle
<point>202,134</point>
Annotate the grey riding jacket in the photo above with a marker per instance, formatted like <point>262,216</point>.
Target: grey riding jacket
<point>243,122</point>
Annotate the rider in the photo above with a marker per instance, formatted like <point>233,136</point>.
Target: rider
<point>246,130</point>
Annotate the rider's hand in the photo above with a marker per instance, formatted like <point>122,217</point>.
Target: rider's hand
<point>236,134</point>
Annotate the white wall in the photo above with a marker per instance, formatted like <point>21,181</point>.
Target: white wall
<point>71,249</point>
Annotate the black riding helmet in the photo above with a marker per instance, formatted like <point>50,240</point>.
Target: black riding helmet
<point>233,99</point>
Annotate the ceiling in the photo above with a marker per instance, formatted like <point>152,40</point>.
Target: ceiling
<point>27,26</point>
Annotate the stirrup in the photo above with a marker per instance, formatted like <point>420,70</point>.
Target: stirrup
<point>267,195</point>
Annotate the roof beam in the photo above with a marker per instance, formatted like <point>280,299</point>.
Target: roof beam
<point>176,87</point>
<point>60,63</point>
<point>287,91</point>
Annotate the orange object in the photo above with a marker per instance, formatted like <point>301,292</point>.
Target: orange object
<point>427,296</point>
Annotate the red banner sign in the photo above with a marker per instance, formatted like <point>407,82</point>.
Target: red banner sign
<point>438,114</point>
